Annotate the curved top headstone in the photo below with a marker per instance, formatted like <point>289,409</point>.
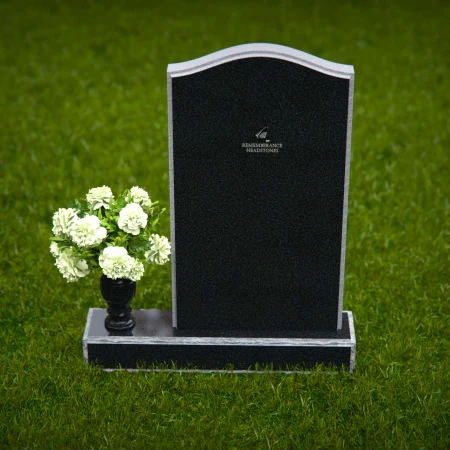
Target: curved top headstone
<point>262,51</point>
<point>259,153</point>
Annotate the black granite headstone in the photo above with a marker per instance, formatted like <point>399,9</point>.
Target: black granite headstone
<point>259,148</point>
<point>259,162</point>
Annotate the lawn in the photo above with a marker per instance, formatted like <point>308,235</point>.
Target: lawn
<point>83,103</point>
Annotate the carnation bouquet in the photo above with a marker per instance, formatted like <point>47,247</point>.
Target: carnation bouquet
<point>115,234</point>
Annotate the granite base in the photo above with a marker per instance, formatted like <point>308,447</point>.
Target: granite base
<point>152,346</point>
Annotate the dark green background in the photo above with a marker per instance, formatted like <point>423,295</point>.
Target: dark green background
<point>83,103</point>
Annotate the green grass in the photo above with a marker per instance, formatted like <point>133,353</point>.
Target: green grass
<point>83,103</point>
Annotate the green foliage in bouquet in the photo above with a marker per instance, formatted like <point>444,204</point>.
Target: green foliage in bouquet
<point>115,234</point>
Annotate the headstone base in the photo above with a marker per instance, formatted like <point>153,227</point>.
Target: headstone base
<point>152,346</point>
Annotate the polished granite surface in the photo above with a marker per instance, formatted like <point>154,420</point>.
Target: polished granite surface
<point>149,322</point>
<point>158,323</point>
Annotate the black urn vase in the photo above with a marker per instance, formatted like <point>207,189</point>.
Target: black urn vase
<point>118,294</point>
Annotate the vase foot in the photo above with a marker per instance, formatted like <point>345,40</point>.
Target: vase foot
<point>120,325</point>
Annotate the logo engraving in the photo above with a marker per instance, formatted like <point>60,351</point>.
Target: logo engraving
<point>262,134</point>
<point>262,147</point>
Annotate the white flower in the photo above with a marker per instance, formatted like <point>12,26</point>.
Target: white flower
<point>160,250</point>
<point>136,270</point>
<point>71,267</point>
<point>140,196</point>
<point>132,218</point>
<point>115,262</point>
<point>62,219</point>
<point>87,231</point>
<point>54,249</point>
<point>99,197</point>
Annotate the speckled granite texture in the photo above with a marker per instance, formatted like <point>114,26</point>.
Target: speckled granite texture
<point>258,237</point>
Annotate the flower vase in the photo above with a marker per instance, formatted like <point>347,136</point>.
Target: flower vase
<point>118,294</point>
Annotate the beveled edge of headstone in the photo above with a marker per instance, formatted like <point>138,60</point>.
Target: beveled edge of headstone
<point>351,326</point>
<point>346,189</point>
<point>263,50</point>
<point>86,333</point>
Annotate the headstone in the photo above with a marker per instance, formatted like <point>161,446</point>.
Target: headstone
<point>259,150</point>
<point>260,147</point>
